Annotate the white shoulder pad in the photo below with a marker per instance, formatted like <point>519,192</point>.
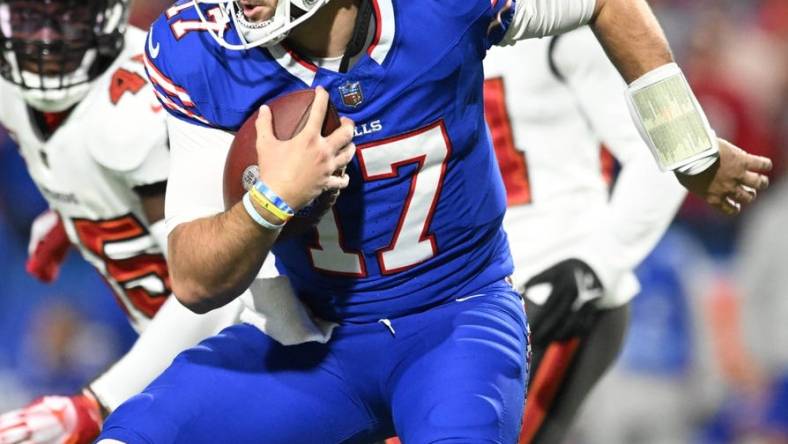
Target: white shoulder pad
<point>130,122</point>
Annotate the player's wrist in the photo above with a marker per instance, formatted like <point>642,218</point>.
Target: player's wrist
<point>263,196</point>
<point>260,215</point>
<point>671,121</point>
<point>286,191</point>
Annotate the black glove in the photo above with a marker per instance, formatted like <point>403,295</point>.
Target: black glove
<point>570,309</point>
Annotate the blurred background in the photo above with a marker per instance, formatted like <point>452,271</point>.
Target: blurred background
<point>706,359</point>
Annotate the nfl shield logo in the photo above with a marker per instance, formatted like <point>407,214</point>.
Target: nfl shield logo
<point>351,94</point>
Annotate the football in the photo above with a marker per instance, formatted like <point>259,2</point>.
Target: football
<point>290,113</point>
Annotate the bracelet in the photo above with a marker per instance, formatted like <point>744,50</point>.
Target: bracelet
<point>266,203</point>
<point>256,216</point>
<point>277,201</point>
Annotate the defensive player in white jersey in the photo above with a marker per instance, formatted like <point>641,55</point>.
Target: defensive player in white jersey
<point>574,243</point>
<point>74,96</point>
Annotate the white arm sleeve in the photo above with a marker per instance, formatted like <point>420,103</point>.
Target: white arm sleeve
<point>172,330</point>
<point>538,18</point>
<point>644,199</point>
<point>194,187</point>
<point>159,232</point>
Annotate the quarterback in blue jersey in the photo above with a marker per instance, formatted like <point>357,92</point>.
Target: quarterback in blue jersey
<point>414,328</point>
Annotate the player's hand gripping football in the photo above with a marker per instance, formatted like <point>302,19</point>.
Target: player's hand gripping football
<point>734,180</point>
<point>301,168</point>
<point>47,247</point>
<point>569,310</point>
<point>53,420</point>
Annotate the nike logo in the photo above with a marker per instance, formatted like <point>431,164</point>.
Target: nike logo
<point>467,298</point>
<point>153,50</point>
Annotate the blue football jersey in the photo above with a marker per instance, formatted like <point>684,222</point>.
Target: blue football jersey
<point>420,223</point>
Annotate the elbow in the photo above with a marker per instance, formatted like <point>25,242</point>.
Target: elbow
<point>194,297</point>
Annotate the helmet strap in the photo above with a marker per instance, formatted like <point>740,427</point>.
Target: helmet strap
<point>360,34</point>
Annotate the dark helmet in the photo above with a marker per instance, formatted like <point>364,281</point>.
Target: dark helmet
<point>54,49</point>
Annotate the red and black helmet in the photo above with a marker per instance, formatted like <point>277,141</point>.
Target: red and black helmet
<point>54,49</point>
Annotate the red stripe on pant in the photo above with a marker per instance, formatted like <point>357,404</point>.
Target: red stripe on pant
<point>547,380</point>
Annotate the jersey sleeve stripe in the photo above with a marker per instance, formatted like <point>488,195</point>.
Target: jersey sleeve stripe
<point>502,18</point>
<point>172,106</point>
<point>163,82</point>
<point>386,29</point>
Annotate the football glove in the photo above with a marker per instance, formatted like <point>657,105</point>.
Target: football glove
<point>570,308</point>
<point>47,248</point>
<point>53,420</point>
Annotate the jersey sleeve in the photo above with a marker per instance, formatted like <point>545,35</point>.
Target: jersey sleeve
<point>539,18</point>
<point>644,200</point>
<point>131,141</point>
<point>171,64</point>
<point>500,19</point>
<point>155,167</point>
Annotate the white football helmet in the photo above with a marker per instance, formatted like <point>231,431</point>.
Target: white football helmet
<point>288,15</point>
<point>54,49</point>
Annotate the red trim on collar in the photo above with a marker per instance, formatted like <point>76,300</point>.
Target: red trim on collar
<point>301,61</point>
<point>378,27</point>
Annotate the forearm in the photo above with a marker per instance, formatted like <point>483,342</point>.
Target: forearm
<point>637,47</point>
<point>214,259</point>
<point>644,200</point>
<point>643,204</point>
<point>150,355</point>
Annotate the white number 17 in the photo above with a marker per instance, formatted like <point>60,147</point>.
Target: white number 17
<point>411,242</point>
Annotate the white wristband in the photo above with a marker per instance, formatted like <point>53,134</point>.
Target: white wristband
<point>671,121</point>
<point>257,217</point>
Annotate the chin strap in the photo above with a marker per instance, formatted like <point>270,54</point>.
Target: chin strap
<point>360,33</point>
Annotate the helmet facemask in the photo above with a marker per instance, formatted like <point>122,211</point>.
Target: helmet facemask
<point>287,15</point>
<point>54,49</point>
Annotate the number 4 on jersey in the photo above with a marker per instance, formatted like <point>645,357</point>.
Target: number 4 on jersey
<point>412,243</point>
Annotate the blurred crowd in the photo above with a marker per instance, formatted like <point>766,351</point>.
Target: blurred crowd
<point>706,359</point>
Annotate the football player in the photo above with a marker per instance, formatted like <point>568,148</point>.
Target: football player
<point>74,96</point>
<point>412,263</point>
<point>574,244</point>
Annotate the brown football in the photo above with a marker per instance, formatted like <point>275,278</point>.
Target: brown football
<point>290,113</point>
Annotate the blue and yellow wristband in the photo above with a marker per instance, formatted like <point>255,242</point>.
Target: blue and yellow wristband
<point>261,195</point>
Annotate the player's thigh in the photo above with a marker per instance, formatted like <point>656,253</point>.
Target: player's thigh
<point>466,381</point>
<point>242,387</point>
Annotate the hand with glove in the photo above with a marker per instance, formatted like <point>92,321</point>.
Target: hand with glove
<point>47,248</point>
<point>565,298</point>
<point>53,420</point>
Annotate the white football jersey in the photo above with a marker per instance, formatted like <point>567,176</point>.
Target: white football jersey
<point>551,104</point>
<point>115,139</point>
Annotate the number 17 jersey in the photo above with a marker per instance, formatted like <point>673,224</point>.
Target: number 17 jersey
<point>420,223</point>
